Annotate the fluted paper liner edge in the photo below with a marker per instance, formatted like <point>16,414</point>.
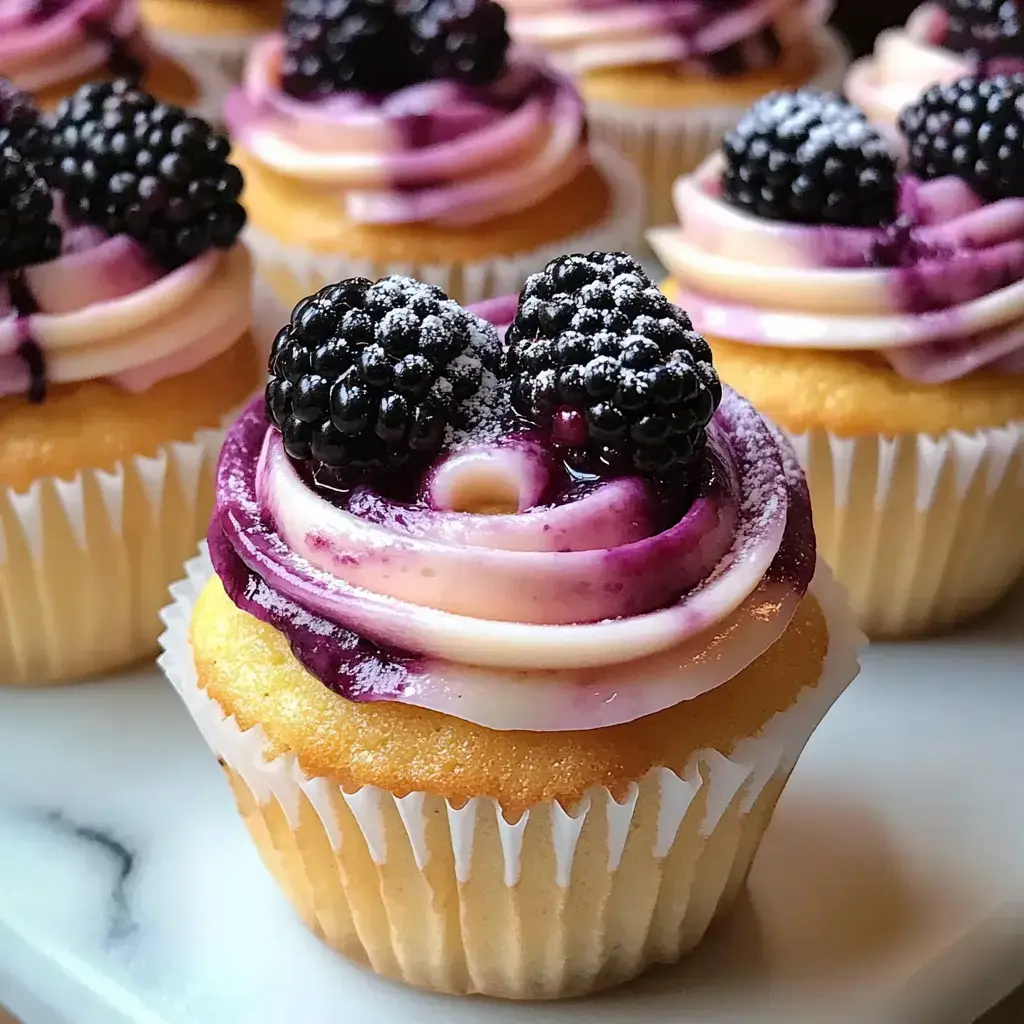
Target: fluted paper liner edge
<point>467,283</point>
<point>695,831</point>
<point>85,561</point>
<point>922,530</point>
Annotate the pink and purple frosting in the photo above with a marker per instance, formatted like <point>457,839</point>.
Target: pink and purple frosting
<point>47,42</point>
<point>437,152</point>
<point>103,310</point>
<point>939,293</point>
<point>908,60</point>
<point>575,604</point>
<point>705,36</point>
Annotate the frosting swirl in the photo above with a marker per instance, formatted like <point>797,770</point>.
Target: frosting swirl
<point>45,43</point>
<point>103,310</point>
<point>908,60</point>
<point>711,37</point>
<point>439,152</point>
<point>578,605</point>
<point>939,294</point>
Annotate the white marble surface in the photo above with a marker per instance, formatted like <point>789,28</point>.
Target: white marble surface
<point>890,886</point>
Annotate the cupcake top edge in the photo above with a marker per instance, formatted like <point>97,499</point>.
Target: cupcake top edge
<point>448,134</point>
<point>119,258</point>
<point>705,38</point>
<point>812,228</point>
<point>546,534</point>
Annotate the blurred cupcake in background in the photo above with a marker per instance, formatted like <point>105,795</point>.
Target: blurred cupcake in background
<point>211,38</point>
<point>125,343</point>
<point>48,48</point>
<point>877,315</point>
<point>507,654</point>
<point>417,142</point>
<point>942,41</point>
<point>664,81</point>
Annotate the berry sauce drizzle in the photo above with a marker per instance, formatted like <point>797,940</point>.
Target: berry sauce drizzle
<point>29,350</point>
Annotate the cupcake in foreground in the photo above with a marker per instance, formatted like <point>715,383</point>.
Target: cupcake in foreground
<point>212,38</point>
<point>664,81</point>
<point>942,42</point>
<point>417,143</point>
<point>507,655</point>
<point>48,48</point>
<point>877,316</point>
<point>125,345</point>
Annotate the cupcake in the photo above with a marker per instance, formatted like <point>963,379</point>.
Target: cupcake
<point>417,144</point>
<point>211,38</point>
<point>942,42</point>
<point>124,313</point>
<point>876,314</point>
<point>663,82</point>
<point>507,656</point>
<point>48,48</point>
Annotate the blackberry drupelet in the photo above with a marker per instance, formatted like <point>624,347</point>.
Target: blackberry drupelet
<point>598,356</point>
<point>132,165</point>
<point>21,125</point>
<point>973,129</point>
<point>809,157</point>
<point>464,40</point>
<point>984,29</point>
<point>334,45</point>
<point>28,234</point>
<point>367,377</point>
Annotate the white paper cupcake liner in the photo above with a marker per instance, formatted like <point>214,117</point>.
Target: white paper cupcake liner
<point>923,531</point>
<point>306,272</point>
<point>557,903</point>
<point>214,63</point>
<point>663,144</point>
<point>85,562</point>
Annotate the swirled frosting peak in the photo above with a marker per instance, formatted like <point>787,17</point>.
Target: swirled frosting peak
<point>908,60</point>
<point>45,42</point>
<point>708,35</point>
<point>499,587</point>
<point>440,151</point>
<point>939,293</point>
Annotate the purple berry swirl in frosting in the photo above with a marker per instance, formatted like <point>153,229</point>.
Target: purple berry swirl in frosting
<point>464,555</point>
<point>439,151</point>
<point>709,36</point>
<point>46,42</point>
<point>805,231</point>
<point>118,222</point>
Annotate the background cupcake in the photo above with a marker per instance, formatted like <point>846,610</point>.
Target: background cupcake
<point>50,48</point>
<point>942,41</point>
<point>663,82</point>
<point>211,38</point>
<point>125,345</point>
<point>490,752</point>
<point>878,317</point>
<point>418,144</point>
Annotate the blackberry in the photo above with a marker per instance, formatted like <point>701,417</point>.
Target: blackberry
<point>465,40</point>
<point>367,377</point>
<point>21,126</point>
<point>335,45</point>
<point>132,165</point>
<point>809,157</point>
<point>973,129</point>
<point>984,29</point>
<point>598,356</point>
<point>28,234</point>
